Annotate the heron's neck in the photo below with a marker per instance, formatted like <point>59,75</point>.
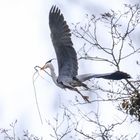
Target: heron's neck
<point>53,75</point>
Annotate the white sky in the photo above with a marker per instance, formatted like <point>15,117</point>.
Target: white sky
<point>24,43</point>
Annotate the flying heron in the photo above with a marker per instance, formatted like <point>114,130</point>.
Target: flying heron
<point>67,59</point>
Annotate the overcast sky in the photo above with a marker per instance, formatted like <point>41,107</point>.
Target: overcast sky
<point>25,42</point>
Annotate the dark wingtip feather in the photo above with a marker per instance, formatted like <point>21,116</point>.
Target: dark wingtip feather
<point>54,9</point>
<point>123,75</point>
<point>118,75</point>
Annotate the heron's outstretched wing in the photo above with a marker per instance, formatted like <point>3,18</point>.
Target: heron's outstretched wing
<point>61,38</point>
<point>118,75</point>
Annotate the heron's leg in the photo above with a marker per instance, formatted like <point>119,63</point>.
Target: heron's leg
<point>79,83</point>
<point>67,85</point>
<point>86,98</point>
<point>85,86</point>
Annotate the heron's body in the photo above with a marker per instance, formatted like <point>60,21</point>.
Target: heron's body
<point>67,59</point>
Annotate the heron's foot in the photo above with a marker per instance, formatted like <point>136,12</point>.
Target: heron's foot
<point>86,98</point>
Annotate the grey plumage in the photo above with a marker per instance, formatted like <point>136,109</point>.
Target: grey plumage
<point>61,38</point>
<point>67,58</point>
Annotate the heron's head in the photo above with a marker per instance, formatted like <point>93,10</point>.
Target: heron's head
<point>48,64</point>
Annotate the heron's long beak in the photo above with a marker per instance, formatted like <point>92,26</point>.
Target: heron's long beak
<point>44,67</point>
<point>47,64</point>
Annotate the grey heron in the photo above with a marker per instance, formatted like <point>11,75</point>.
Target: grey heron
<point>67,59</point>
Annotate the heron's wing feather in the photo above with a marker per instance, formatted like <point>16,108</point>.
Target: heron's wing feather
<point>61,38</point>
<point>118,75</point>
